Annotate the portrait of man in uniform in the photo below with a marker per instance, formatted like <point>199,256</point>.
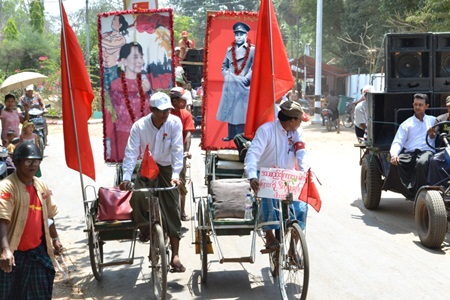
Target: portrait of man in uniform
<point>237,73</point>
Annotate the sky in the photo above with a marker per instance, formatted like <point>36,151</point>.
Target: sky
<point>52,6</point>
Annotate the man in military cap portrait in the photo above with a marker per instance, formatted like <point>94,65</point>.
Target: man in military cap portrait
<point>237,73</point>
<point>278,143</point>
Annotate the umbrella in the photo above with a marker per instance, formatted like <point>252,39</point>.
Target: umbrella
<point>21,80</point>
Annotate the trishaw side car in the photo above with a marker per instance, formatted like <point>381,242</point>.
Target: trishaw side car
<point>221,213</point>
<point>100,232</point>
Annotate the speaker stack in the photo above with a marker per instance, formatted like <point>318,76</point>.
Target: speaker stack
<point>441,73</point>
<point>409,62</point>
<point>193,66</point>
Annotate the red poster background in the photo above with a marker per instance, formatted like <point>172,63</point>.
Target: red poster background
<point>219,36</point>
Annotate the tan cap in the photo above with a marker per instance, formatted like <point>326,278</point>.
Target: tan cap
<point>291,109</point>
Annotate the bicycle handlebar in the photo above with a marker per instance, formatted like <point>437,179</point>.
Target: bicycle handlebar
<point>130,187</point>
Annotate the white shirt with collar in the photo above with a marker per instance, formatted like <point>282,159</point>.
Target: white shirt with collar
<point>165,144</point>
<point>411,135</point>
<point>268,146</point>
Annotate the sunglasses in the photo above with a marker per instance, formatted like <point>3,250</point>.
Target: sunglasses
<point>29,162</point>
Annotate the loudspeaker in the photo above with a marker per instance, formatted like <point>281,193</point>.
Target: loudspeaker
<point>441,72</point>
<point>194,55</point>
<point>408,62</point>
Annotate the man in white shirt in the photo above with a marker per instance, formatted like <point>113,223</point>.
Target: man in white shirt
<point>162,133</point>
<point>409,151</point>
<point>278,143</point>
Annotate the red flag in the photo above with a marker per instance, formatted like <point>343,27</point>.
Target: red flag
<point>149,167</point>
<point>309,193</point>
<point>261,101</point>
<point>83,95</point>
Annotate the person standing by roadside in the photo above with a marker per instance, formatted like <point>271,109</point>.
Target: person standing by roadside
<point>162,133</point>
<point>11,118</point>
<point>177,95</point>
<point>28,235</point>
<point>360,114</point>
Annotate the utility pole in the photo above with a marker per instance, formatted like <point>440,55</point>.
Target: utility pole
<point>318,75</point>
<point>88,51</point>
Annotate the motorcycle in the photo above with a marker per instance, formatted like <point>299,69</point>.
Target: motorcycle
<point>349,110</point>
<point>328,119</point>
<point>36,115</point>
<point>6,165</point>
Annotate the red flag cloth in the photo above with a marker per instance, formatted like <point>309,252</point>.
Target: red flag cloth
<point>83,95</point>
<point>261,103</point>
<point>149,167</point>
<point>309,193</point>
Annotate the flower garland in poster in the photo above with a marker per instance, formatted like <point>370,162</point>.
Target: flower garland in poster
<point>127,97</point>
<point>238,70</point>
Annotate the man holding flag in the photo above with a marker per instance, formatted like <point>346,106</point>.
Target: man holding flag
<point>279,144</point>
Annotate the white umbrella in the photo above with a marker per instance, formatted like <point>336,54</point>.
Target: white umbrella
<point>21,80</point>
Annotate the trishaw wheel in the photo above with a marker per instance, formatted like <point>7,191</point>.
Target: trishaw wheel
<point>347,122</point>
<point>371,182</point>
<point>96,253</point>
<point>430,218</point>
<point>202,218</point>
<point>119,175</point>
<point>158,259</point>
<point>293,277</point>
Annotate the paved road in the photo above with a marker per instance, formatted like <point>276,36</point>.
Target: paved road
<point>354,253</point>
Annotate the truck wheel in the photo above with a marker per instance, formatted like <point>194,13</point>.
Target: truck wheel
<point>431,218</point>
<point>371,182</point>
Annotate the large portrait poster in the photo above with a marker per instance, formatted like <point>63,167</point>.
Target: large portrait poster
<point>229,53</point>
<point>136,60</point>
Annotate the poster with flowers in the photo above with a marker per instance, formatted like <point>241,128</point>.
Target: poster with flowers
<point>135,48</point>
<point>229,53</point>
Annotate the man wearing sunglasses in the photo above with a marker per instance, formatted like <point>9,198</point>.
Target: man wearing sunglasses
<point>28,236</point>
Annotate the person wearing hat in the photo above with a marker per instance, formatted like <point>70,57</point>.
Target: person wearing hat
<point>438,168</point>
<point>185,44</point>
<point>177,95</point>
<point>28,136</point>
<point>278,143</point>
<point>32,98</point>
<point>237,73</point>
<point>28,236</point>
<point>162,133</point>
<point>177,57</point>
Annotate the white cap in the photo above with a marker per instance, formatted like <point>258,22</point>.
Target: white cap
<point>29,88</point>
<point>161,101</point>
<point>177,49</point>
<point>368,88</point>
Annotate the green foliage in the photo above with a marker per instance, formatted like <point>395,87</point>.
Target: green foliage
<point>37,16</point>
<point>11,31</point>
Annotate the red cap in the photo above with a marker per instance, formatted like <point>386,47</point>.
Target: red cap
<point>305,117</point>
<point>184,34</point>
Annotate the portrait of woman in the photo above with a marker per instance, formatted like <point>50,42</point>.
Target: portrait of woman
<point>129,96</point>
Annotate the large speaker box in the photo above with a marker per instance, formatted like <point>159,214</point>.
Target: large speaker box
<point>409,62</point>
<point>441,47</point>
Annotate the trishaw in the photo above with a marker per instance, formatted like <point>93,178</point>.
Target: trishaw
<point>100,232</point>
<point>289,264</point>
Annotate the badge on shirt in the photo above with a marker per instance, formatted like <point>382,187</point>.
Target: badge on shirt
<point>5,196</point>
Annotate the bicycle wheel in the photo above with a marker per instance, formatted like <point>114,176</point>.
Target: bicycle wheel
<point>158,257</point>
<point>293,275</point>
<point>95,252</point>
<point>347,122</point>
<point>203,241</point>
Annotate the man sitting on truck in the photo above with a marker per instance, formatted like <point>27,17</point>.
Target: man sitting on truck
<point>439,170</point>
<point>409,151</point>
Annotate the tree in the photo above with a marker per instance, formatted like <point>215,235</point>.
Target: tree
<point>11,31</point>
<point>37,16</point>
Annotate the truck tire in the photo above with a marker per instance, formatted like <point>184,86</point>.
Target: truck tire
<point>371,182</point>
<point>431,218</point>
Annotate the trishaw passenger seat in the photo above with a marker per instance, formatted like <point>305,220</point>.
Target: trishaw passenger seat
<point>228,197</point>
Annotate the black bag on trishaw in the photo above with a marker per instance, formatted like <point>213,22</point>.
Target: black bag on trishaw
<point>114,204</point>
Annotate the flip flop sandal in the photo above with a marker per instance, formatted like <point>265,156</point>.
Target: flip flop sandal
<point>177,268</point>
<point>273,246</point>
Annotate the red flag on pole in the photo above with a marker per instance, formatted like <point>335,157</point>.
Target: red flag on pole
<point>270,70</point>
<point>75,83</point>
<point>309,193</point>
